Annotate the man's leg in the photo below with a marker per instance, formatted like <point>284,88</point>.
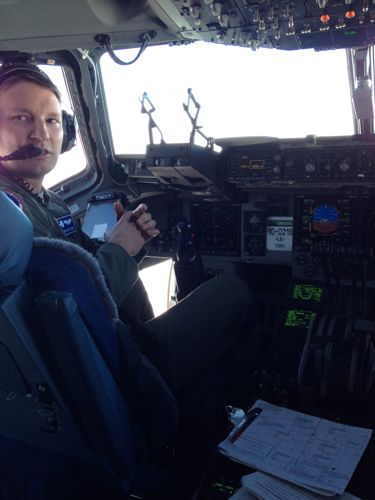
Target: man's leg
<point>212,321</point>
<point>137,305</point>
<point>202,337</point>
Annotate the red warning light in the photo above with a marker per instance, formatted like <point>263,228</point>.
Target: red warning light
<point>350,14</point>
<point>325,18</point>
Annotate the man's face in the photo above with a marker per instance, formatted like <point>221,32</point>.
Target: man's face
<point>30,114</point>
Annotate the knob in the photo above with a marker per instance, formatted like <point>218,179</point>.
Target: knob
<point>216,8</point>
<point>301,259</point>
<point>220,37</point>
<point>310,271</point>
<point>195,11</point>
<point>310,167</point>
<point>224,20</point>
<point>344,166</point>
<point>256,16</point>
<point>271,13</point>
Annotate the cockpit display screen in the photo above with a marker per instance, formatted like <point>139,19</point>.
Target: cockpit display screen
<point>299,318</point>
<point>307,292</point>
<point>324,220</point>
<point>253,164</point>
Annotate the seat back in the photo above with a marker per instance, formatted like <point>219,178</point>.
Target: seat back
<point>25,383</point>
<point>45,449</point>
<point>122,403</point>
<point>16,242</point>
<point>32,409</point>
<point>90,387</point>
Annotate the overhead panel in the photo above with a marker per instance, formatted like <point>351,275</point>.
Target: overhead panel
<point>287,25</point>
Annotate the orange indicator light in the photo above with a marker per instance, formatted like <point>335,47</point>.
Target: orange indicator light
<point>325,18</point>
<point>350,14</point>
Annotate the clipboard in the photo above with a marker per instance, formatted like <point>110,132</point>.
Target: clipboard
<point>314,453</point>
<point>250,416</point>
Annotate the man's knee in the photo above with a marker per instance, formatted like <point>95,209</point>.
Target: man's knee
<point>232,300</point>
<point>234,290</point>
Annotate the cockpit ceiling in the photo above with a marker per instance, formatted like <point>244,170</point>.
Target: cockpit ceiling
<point>42,25</point>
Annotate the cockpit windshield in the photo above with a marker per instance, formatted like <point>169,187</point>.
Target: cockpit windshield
<point>241,93</point>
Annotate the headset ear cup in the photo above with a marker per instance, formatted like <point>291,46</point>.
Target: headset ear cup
<point>69,130</point>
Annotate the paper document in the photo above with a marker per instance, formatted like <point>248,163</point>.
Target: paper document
<point>308,451</point>
<point>242,494</point>
<point>265,487</point>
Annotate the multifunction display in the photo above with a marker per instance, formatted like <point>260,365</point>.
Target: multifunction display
<point>324,220</point>
<point>307,292</point>
<point>299,318</point>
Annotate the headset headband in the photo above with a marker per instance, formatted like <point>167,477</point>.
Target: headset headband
<point>9,69</point>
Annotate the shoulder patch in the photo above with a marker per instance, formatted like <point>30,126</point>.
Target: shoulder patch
<point>16,198</point>
<point>66,224</point>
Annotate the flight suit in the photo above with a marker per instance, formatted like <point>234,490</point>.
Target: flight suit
<point>51,217</point>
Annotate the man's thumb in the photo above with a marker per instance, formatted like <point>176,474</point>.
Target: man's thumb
<point>120,210</point>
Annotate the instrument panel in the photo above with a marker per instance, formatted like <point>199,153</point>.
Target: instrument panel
<point>278,227</point>
<point>293,201</point>
<point>295,219</point>
<point>302,162</point>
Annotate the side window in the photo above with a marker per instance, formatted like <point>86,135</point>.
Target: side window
<point>74,161</point>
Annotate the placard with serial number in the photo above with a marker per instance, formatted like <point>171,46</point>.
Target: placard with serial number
<point>279,234</point>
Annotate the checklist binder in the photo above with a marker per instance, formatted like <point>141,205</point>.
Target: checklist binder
<point>311,452</point>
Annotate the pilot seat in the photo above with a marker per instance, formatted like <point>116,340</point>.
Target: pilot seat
<point>66,426</point>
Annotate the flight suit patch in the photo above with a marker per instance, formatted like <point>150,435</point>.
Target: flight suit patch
<point>66,223</point>
<point>17,200</point>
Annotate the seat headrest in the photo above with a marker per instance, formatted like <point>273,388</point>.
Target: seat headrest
<point>16,242</point>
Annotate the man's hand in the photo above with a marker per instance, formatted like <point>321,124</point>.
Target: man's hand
<point>144,222</point>
<point>133,229</point>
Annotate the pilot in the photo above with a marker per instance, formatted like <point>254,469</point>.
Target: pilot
<point>198,335</point>
<point>49,214</point>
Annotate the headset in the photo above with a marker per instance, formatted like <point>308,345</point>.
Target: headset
<point>69,125</point>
